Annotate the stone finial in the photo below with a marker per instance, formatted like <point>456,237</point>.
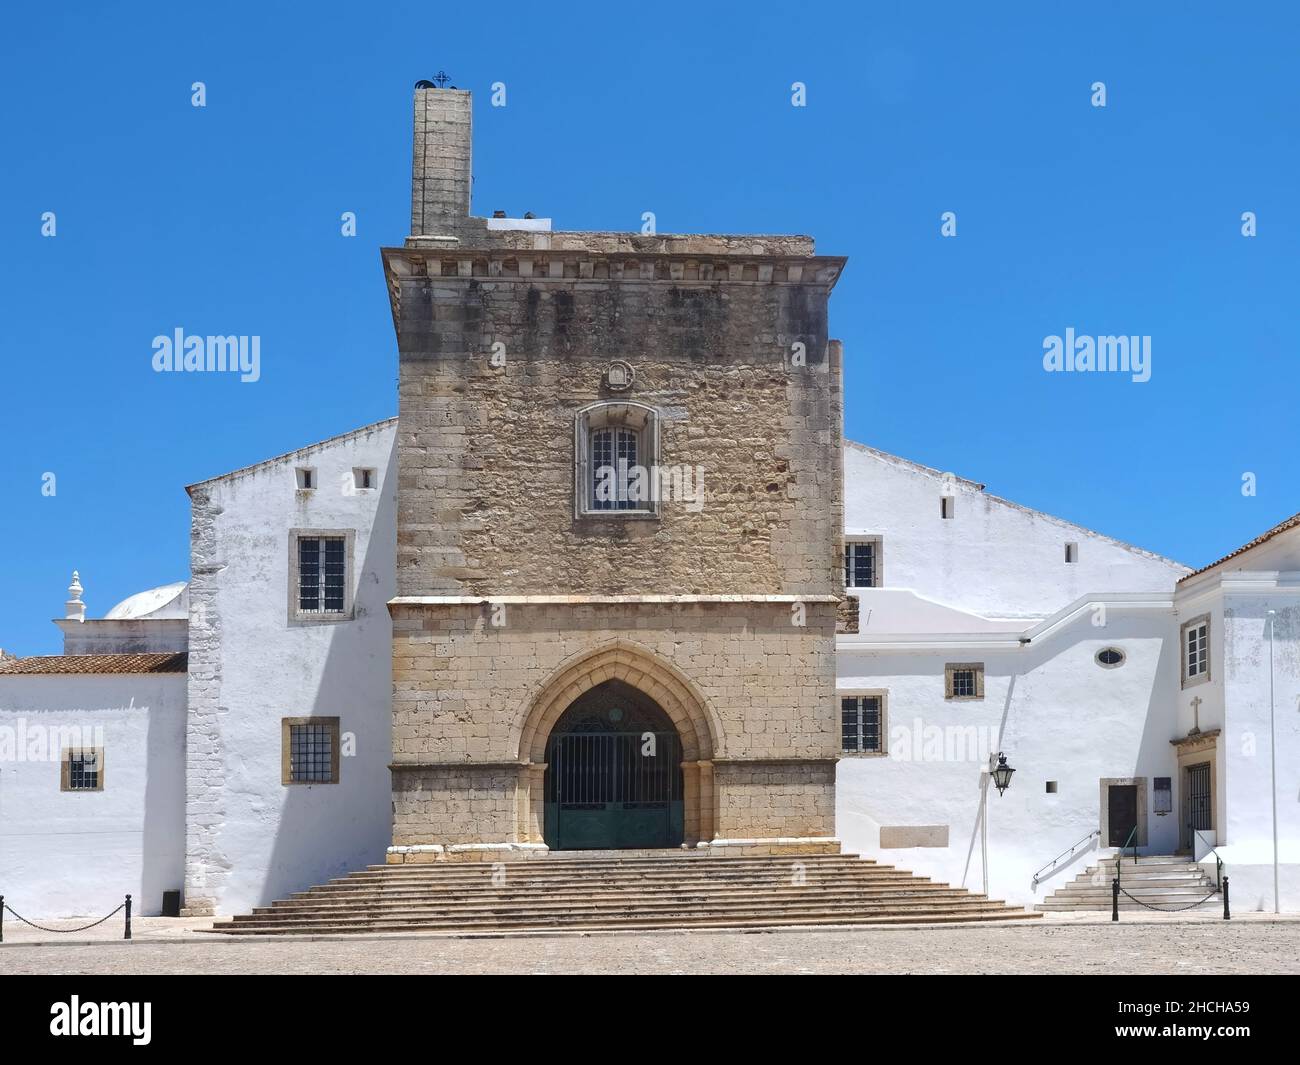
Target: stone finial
<point>76,608</point>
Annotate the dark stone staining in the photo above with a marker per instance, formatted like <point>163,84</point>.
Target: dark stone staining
<point>708,356</point>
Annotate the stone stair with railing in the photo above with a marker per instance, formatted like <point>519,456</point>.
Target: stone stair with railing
<point>1163,881</point>
<point>611,891</point>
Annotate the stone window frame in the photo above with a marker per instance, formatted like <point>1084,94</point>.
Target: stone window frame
<point>287,725</point>
<point>865,693</point>
<point>297,615</point>
<point>65,768</point>
<point>641,418</point>
<point>878,564</point>
<point>1203,676</point>
<point>950,668</point>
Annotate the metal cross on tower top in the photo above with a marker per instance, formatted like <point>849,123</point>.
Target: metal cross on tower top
<point>441,79</point>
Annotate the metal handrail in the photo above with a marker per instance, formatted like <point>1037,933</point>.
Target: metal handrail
<point>1218,858</point>
<point>1119,858</point>
<point>1065,854</point>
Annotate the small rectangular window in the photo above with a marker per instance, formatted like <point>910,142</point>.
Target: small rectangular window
<point>862,724</point>
<point>82,769</point>
<point>1071,552</point>
<point>309,750</point>
<point>964,680</point>
<point>1051,787</point>
<point>948,507</point>
<point>862,564</point>
<point>320,574</point>
<point>306,478</point>
<point>364,479</point>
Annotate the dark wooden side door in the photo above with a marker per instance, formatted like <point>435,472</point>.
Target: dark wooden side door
<point>1122,808</point>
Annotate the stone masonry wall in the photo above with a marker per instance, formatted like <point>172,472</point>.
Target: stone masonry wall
<point>205,772</point>
<point>486,452</point>
<point>463,686</point>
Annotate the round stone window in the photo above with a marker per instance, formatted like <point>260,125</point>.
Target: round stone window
<point>1110,657</point>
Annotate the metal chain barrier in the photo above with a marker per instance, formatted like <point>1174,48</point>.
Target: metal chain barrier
<point>126,905</point>
<point>1117,890</point>
<point>1171,909</point>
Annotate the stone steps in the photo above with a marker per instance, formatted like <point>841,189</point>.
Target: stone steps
<point>417,886</point>
<point>1164,881</point>
<point>639,891</point>
<point>496,901</point>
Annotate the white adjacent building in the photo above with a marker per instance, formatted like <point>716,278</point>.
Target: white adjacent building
<point>231,736</point>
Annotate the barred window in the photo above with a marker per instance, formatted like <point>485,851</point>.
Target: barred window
<point>310,753</point>
<point>964,680</point>
<point>1196,650</point>
<point>83,769</point>
<point>617,484</point>
<point>862,723</point>
<point>616,448</point>
<point>322,575</point>
<point>862,564</point>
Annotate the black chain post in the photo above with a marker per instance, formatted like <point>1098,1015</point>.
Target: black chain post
<point>1114,899</point>
<point>1227,913</point>
<point>128,918</point>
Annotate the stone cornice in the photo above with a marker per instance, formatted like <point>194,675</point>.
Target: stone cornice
<point>569,266</point>
<point>599,600</point>
<point>1196,741</point>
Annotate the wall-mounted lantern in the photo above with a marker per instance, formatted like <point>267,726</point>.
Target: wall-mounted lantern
<point>1002,774</point>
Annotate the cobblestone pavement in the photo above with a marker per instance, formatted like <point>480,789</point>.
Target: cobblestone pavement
<point>1246,945</point>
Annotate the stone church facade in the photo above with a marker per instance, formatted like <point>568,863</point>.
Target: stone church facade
<point>612,579</point>
<point>704,580</point>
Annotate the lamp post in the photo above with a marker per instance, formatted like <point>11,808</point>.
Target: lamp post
<point>1000,774</point>
<point>1272,757</point>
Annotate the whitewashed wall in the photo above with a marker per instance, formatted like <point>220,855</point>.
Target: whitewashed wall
<point>78,853</point>
<point>250,838</point>
<point>1246,777</point>
<point>1049,706</point>
<point>1057,715</point>
<point>993,558</point>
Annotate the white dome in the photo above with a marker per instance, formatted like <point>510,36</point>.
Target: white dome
<point>165,601</point>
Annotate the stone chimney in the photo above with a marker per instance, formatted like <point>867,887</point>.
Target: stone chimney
<point>76,608</point>
<point>441,177</point>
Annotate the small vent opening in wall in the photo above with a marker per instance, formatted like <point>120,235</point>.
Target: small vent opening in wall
<point>1051,787</point>
<point>365,478</point>
<point>306,477</point>
<point>947,507</point>
<point>1071,552</point>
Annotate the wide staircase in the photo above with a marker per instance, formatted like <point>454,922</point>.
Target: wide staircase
<point>1160,881</point>
<point>604,891</point>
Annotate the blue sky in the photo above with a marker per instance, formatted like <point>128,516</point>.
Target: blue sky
<point>225,219</point>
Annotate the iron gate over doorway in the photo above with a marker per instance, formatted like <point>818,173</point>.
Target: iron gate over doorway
<point>607,790</point>
<point>1198,800</point>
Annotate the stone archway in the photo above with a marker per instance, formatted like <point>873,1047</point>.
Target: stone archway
<point>639,668</point>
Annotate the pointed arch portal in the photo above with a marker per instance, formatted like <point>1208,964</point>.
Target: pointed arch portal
<point>613,774</point>
<point>618,747</point>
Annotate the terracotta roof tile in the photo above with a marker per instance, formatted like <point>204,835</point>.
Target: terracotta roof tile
<point>1281,527</point>
<point>154,662</point>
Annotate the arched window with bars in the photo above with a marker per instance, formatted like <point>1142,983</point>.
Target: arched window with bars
<point>616,455</point>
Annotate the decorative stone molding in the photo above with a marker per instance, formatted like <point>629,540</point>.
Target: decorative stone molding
<point>619,376</point>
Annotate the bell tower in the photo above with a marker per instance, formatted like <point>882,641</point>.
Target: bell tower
<point>619,464</point>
